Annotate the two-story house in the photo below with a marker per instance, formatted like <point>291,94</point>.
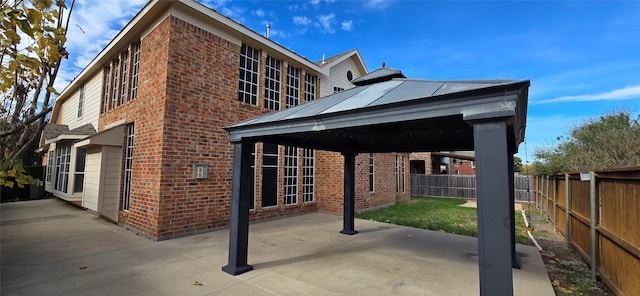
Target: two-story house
<point>138,138</point>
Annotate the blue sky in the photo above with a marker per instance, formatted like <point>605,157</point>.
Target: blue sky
<point>582,57</point>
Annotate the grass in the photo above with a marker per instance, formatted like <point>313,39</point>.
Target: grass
<point>440,214</point>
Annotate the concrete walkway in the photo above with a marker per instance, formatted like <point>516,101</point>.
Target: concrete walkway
<point>51,248</point>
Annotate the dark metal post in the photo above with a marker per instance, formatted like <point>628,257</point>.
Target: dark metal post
<point>348,222</point>
<point>241,195</point>
<point>512,213</point>
<point>494,240</point>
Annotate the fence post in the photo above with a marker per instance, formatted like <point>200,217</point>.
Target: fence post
<point>567,211</point>
<point>547,199</point>
<point>594,224</point>
<point>554,204</point>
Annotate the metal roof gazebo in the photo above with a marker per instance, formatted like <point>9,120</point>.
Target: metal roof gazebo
<point>386,112</point>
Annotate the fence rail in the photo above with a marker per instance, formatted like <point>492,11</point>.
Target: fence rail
<point>461,186</point>
<point>598,214</point>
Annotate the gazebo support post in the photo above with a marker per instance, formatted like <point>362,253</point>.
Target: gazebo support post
<point>494,229</point>
<point>348,222</point>
<point>515,263</point>
<point>241,194</point>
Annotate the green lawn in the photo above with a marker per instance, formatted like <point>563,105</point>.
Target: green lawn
<point>440,214</point>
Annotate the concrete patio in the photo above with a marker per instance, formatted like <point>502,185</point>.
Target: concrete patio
<point>49,247</point>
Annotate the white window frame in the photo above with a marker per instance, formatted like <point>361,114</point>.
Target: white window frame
<point>106,86</point>
<point>115,82</point>
<point>135,69</point>
<point>249,75</point>
<point>63,163</point>
<point>125,72</point>
<point>81,101</point>
<point>290,175</point>
<point>293,87</point>
<point>273,73</point>
<point>308,175</point>
<point>372,179</point>
<point>128,167</point>
<point>309,87</point>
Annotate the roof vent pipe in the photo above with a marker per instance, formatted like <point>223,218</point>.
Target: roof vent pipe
<point>268,31</point>
<point>323,61</point>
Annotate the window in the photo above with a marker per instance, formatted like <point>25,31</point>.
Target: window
<point>63,159</point>
<point>50,165</point>
<point>272,84</point>
<point>128,165</point>
<point>307,175</point>
<point>290,175</point>
<point>309,87</point>
<point>115,82</point>
<point>269,175</point>
<point>402,175</point>
<point>371,179</point>
<point>125,71</point>
<point>249,69</point>
<point>134,70</point>
<point>105,88</point>
<point>293,87</point>
<point>337,89</point>
<point>397,174</point>
<point>78,173</point>
<point>80,100</point>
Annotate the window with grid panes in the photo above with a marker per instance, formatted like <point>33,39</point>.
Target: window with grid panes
<point>309,87</point>
<point>397,167</point>
<point>402,175</point>
<point>63,161</point>
<point>135,68</point>
<point>116,83</point>
<point>105,89</point>
<point>78,173</point>
<point>293,87</point>
<point>125,72</point>
<point>249,69</point>
<point>128,165</point>
<point>272,83</point>
<point>290,175</point>
<point>308,175</point>
<point>50,165</point>
<point>81,101</point>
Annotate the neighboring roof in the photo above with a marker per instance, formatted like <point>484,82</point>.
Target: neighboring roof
<point>379,75</point>
<point>336,59</point>
<point>396,115</point>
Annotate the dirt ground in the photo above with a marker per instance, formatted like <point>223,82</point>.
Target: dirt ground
<point>569,273</point>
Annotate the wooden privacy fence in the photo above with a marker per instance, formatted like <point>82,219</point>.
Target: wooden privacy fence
<point>598,214</point>
<point>460,186</point>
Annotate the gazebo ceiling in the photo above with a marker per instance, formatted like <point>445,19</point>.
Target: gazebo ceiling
<point>394,115</point>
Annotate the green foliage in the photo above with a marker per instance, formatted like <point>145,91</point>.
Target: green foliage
<point>610,141</point>
<point>517,164</point>
<point>439,214</point>
<point>13,173</point>
<point>32,38</point>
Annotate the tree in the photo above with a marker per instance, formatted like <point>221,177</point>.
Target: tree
<point>611,141</point>
<point>517,164</point>
<point>32,47</point>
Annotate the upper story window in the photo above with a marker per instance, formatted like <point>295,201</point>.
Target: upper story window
<point>249,69</point>
<point>337,89</point>
<point>121,78</point>
<point>81,101</point>
<point>293,87</point>
<point>105,89</point>
<point>116,83</point>
<point>135,68</point>
<point>125,71</point>
<point>309,87</point>
<point>272,76</point>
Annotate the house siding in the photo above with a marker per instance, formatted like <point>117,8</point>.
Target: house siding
<point>92,179</point>
<point>338,77</point>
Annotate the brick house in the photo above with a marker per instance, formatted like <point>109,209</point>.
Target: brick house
<point>138,138</point>
<point>450,163</point>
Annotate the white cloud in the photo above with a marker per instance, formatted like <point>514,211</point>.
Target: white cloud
<point>377,4</point>
<point>301,20</point>
<point>259,12</point>
<point>347,25</point>
<point>326,23</point>
<point>631,92</point>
